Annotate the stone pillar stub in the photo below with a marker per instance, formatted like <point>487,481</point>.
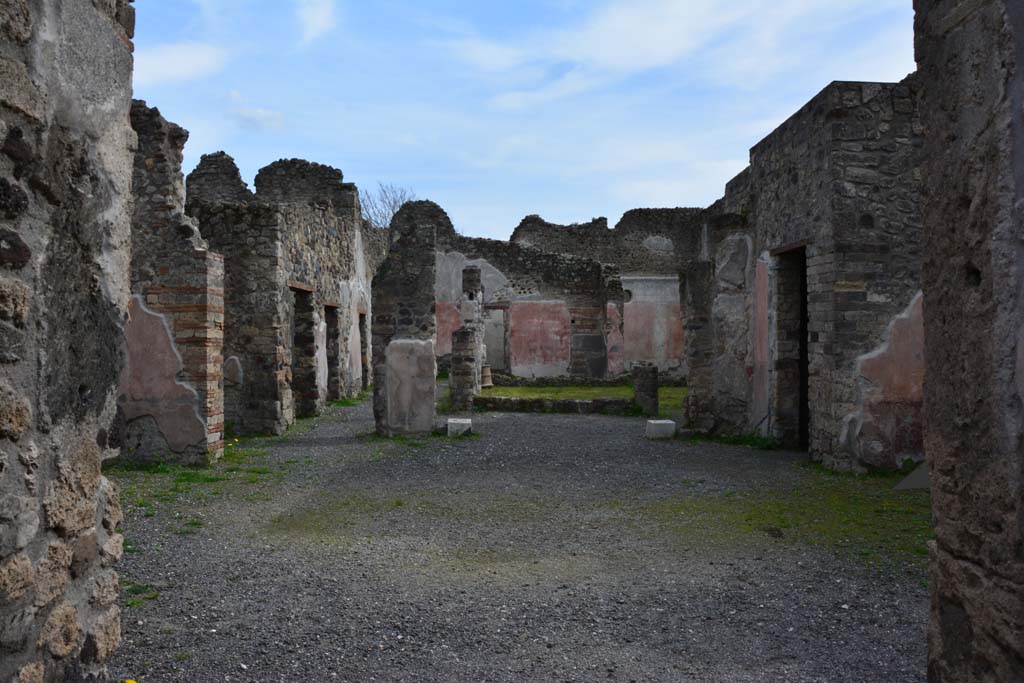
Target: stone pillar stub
<point>645,388</point>
<point>410,372</point>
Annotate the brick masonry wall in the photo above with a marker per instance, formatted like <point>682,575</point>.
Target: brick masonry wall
<point>303,224</point>
<point>837,180</point>
<point>178,278</point>
<point>65,226</point>
<point>257,328</point>
<point>971,59</point>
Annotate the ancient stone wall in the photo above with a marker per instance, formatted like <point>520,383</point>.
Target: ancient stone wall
<point>65,223</point>
<point>170,393</point>
<point>650,248</point>
<point>971,59</point>
<point>546,312</point>
<point>297,287</point>
<point>828,208</point>
<point>404,324</point>
<point>257,332</point>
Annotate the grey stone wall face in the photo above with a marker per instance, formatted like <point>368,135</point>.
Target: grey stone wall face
<point>65,222</point>
<point>257,339</point>
<point>403,291</point>
<point>294,250</point>
<point>653,241</point>
<point>837,181</point>
<point>971,60</point>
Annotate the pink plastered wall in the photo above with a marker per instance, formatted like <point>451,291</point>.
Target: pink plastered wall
<point>541,336</point>
<point>449,319</point>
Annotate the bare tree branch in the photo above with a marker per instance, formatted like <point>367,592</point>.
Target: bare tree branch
<point>381,205</point>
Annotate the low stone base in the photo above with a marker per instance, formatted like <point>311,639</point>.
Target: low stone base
<point>457,426</point>
<point>660,429</point>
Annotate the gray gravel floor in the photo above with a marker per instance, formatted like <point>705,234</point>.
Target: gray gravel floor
<point>514,556</point>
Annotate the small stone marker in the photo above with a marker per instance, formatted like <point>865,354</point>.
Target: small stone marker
<point>660,429</point>
<point>457,426</point>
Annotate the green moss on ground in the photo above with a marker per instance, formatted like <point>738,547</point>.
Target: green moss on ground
<point>859,516</point>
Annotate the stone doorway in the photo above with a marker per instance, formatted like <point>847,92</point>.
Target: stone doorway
<point>304,367</point>
<point>792,362</point>
<point>335,376</point>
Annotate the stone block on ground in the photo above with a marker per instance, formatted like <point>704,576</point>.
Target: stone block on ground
<point>660,429</point>
<point>457,426</point>
<point>410,386</point>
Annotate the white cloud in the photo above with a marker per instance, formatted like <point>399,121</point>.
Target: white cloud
<point>740,44</point>
<point>254,118</point>
<point>177,63</point>
<point>316,17</point>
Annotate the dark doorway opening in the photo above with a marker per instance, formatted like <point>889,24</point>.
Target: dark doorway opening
<point>792,364</point>
<point>335,378</point>
<point>305,391</point>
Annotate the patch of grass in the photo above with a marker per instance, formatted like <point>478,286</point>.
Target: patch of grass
<point>140,593</point>
<point>755,441</point>
<point>240,456</point>
<point>182,656</point>
<point>196,477</point>
<point>259,470</point>
<point>351,402</point>
<point>669,398</point>
<point>859,516</point>
<point>195,522</point>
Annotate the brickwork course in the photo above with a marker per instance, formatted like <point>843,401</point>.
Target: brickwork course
<point>297,287</point>
<point>171,389</point>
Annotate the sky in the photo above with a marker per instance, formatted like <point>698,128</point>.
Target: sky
<point>569,109</point>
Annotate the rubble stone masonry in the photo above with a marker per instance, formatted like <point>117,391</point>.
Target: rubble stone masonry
<point>65,225</point>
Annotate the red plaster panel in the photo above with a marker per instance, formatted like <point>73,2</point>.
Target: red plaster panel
<point>653,332</point>
<point>449,319</point>
<point>149,384</point>
<point>541,335</point>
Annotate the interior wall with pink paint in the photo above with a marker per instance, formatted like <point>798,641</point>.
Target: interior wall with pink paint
<point>540,338</point>
<point>653,322</point>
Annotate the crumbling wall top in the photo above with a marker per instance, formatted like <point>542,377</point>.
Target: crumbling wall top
<point>217,180</point>
<point>293,181</point>
<point>416,214</point>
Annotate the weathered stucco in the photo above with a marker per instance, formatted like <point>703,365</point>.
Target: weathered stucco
<point>65,228</point>
<point>971,60</point>
<point>541,338</point>
<point>149,388</point>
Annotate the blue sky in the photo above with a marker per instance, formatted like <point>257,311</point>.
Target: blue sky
<point>496,110</point>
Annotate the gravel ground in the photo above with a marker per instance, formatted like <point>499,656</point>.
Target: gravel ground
<point>534,552</point>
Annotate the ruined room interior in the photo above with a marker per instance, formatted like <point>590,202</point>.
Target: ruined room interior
<point>251,432</point>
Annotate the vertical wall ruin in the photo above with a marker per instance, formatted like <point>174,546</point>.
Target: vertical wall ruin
<point>404,324</point>
<point>65,223</point>
<point>171,391</point>
<point>808,329</point>
<point>297,287</point>
<point>971,59</point>
<point>468,343</point>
